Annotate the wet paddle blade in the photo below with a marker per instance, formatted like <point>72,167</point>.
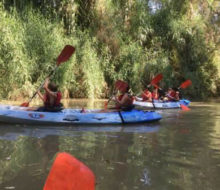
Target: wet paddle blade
<point>157,78</point>
<point>186,84</point>
<point>65,54</point>
<point>68,173</point>
<point>184,108</point>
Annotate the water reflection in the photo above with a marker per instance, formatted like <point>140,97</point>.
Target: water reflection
<point>181,152</point>
<point>8,132</point>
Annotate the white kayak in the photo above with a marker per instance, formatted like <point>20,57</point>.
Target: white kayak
<point>157,104</point>
<point>21,115</point>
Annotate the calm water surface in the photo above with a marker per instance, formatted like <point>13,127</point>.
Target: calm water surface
<point>181,152</point>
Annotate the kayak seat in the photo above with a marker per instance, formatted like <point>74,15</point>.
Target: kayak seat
<point>128,108</point>
<point>51,109</point>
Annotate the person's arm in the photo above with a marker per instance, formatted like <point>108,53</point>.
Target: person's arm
<point>115,99</point>
<point>168,95</point>
<point>54,94</point>
<point>40,95</point>
<point>177,97</point>
<point>148,97</point>
<point>123,101</point>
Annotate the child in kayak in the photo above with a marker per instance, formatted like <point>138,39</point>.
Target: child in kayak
<point>155,94</point>
<point>146,95</point>
<point>172,95</point>
<point>124,101</point>
<point>177,94</point>
<point>51,98</point>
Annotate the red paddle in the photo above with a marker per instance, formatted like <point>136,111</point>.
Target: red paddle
<point>65,54</point>
<point>185,84</point>
<point>121,85</point>
<point>156,79</point>
<point>185,108</point>
<point>68,173</point>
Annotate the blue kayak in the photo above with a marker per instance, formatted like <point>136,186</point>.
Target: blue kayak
<point>158,104</point>
<point>22,115</point>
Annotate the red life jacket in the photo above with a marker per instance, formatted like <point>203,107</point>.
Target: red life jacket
<point>171,95</point>
<point>146,95</point>
<point>56,101</point>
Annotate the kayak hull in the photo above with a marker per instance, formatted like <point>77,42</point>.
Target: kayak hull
<point>20,115</point>
<point>162,105</point>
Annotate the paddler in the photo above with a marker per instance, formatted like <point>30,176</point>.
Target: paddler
<point>155,94</point>
<point>51,98</point>
<point>125,100</point>
<point>146,95</point>
<point>172,94</point>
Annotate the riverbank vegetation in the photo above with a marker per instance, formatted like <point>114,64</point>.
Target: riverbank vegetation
<point>126,39</point>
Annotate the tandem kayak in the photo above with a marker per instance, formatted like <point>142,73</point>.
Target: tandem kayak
<point>21,115</point>
<point>162,104</point>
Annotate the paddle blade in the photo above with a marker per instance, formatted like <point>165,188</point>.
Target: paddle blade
<point>157,78</point>
<point>121,85</point>
<point>25,104</point>
<point>186,84</point>
<point>185,108</point>
<point>68,173</point>
<point>65,54</point>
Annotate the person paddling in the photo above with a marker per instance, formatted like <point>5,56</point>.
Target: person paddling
<point>124,101</point>
<point>147,95</point>
<point>177,94</point>
<point>155,94</point>
<point>172,94</point>
<point>51,98</point>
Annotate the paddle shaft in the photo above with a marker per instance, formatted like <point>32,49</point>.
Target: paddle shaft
<point>153,103</point>
<point>156,79</point>
<point>42,84</point>
<point>121,117</point>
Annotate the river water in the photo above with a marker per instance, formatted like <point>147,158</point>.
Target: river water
<point>180,152</point>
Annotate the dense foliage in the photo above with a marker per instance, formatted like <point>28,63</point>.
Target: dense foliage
<point>126,39</point>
